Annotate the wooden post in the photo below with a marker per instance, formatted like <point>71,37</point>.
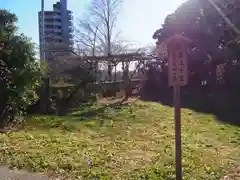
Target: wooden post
<point>178,148</point>
<point>177,77</point>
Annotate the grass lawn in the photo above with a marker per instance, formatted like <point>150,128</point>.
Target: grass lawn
<point>129,142</point>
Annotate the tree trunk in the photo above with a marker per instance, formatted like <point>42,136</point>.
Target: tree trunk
<point>115,75</point>
<point>109,71</point>
<point>126,81</point>
<point>45,96</point>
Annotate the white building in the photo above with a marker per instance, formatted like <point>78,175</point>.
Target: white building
<point>58,28</point>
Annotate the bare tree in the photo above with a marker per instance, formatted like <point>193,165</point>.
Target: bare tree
<point>98,31</point>
<point>86,35</point>
<point>105,12</point>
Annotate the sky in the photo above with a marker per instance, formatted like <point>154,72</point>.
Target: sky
<point>137,20</point>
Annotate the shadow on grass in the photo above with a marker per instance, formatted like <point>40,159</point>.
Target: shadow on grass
<point>92,115</point>
<point>101,112</point>
<point>225,106</point>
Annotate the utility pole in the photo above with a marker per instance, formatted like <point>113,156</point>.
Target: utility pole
<point>45,81</point>
<point>43,34</point>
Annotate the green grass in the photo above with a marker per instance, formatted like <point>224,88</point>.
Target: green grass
<point>130,142</point>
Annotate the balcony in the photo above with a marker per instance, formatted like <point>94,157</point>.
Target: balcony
<point>58,37</point>
<point>70,29</point>
<point>71,42</point>
<point>50,17</point>
<point>56,17</point>
<point>70,17</point>
<point>56,23</point>
<point>48,22</point>
<point>56,30</point>
<point>48,30</point>
<point>69,12</point>
<point>70,36</point>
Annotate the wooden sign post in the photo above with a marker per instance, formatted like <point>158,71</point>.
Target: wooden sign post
<point>177,77</point>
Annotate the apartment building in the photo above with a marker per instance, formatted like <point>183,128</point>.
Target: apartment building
<point>58,29</point>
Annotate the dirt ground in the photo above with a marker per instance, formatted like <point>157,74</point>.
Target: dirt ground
<point>233,175</point>
<point>114,100</point>
<point>7,174</point>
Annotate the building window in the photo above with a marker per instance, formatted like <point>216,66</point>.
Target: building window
<point>48,26</point>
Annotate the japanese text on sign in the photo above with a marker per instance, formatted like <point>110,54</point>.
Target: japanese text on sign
<point>178,69</point>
